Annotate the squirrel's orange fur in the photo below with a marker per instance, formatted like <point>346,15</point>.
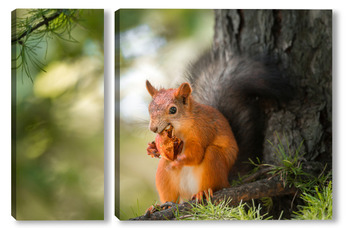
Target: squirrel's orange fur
<point>209,150</point>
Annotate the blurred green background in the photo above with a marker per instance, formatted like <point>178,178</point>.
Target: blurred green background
<point>156,45</point>
<point>59,134</point>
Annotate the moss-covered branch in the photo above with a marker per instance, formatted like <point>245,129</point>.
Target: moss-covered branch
<point>255,190</point>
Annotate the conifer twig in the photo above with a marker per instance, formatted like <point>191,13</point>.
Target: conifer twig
<point>45,21</point>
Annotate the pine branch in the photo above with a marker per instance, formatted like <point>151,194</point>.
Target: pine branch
<point>58,22</point>
<point>45,21</point>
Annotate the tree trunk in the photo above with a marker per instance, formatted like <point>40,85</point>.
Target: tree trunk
<point>302,42</point>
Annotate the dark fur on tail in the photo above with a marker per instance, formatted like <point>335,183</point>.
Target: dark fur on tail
<point>239,88</point>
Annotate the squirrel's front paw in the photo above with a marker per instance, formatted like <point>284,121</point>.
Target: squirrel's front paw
<point>178,162</point>
<point>152,150</point>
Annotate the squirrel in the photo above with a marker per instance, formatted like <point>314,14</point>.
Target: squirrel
<point>219,117</point>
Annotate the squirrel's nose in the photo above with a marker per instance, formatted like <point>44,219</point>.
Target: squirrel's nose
<point>153,128</point>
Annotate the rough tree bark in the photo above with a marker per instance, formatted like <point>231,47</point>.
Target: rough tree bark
<point>301,41</point>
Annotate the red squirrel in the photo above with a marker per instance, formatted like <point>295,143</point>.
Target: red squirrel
<point>209,147</point>
<point>220,118</point>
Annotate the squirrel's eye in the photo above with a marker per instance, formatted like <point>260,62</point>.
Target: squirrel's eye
<point>172,110</point>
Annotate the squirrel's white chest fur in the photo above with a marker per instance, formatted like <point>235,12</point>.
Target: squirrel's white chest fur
<point>188,183</point>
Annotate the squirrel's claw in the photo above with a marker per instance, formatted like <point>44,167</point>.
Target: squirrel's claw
<point>158,207</point>
<point>151,210</point>
<point>199,197</point>
<point>152,150</point>
<point>167,205</point>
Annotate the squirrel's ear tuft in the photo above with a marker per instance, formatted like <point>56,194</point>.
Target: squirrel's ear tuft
<point>184,91</point>
<point>152,91</point>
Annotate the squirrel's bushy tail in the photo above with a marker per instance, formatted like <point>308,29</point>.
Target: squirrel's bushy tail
<point>239,88</point>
